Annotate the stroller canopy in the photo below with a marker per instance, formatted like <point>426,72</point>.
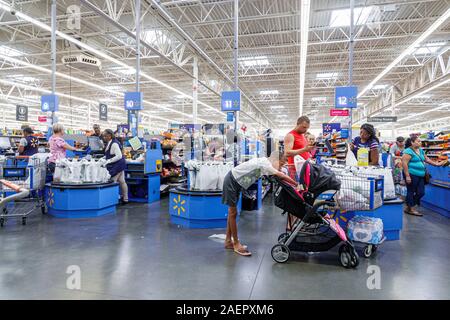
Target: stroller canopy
<point>320,179</point>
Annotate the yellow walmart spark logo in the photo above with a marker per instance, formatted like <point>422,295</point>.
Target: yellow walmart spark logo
<point>179,204</point>
<point>50,198</point>
<point>341,217</point>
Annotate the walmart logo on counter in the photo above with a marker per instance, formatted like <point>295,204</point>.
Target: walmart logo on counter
<point>179,204</point>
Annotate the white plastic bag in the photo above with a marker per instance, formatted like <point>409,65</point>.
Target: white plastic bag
<point>350,159</point>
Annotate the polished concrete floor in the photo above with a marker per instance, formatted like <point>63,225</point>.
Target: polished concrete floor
<point>139,254</point>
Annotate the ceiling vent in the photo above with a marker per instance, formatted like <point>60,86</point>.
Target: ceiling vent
<point>82,62</point>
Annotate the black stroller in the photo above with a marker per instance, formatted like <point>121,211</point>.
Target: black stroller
<point>314,230</point>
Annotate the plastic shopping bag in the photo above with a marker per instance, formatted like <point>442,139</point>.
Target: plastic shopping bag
<point>350,159</point>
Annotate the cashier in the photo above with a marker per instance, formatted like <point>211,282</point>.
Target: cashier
<point>28,145</point>
<point>115,162</point>
<point>367,139</point>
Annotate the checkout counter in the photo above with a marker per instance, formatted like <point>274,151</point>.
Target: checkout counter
<point>143,171</point>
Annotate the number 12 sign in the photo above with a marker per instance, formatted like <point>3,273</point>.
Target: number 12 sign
<point>346,97</point>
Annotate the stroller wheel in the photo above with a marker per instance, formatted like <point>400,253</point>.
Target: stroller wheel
<point>283,237</point>
<point>348,256</point>
<point>280,253</point>
<point>368,251</point>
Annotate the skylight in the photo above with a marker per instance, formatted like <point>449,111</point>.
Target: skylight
<point>379,87</point>
<point>10,52</point>
<point>114,88</point>
<point>429,48</point>
<point>254,61</point>
<point>319,99</point>
<point>277,107</point>
<point>23,78</point>
<point>269,92</point>
<point>126,72</point>
<point>156,37</point>
<point>341,18</point>
<point>327,75</point>
<point>424,96</point>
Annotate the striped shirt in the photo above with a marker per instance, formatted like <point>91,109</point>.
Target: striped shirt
<point>369,144</point>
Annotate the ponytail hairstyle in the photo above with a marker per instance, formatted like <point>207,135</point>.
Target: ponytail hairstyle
<point>371,131</point>
<point>410,140</point>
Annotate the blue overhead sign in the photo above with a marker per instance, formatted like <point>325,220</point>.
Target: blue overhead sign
<point>346,97</point>
<point>231,100</point>
<point>133,101</point>
<point>230,116</point>
<point>49,102</point>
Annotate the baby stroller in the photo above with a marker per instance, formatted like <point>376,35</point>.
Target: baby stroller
<point>314,230</point>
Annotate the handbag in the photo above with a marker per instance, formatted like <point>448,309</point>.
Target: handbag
<point>427,176</point>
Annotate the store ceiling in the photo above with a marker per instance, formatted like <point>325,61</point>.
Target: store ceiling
<point>269,47</point>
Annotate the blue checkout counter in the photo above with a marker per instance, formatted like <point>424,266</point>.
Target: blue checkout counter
<point>81,201</point>
<point>437,193</point>
<point>198,209</point>
<point>144,178</point>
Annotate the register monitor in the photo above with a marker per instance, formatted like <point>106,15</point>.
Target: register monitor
<point>5,143</point>
<point>95,144</point>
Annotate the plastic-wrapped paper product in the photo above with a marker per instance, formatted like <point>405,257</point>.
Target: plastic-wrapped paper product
<point>351,200</point>
<point>365,229</point>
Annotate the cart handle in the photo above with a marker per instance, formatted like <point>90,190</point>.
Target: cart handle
<point>22,157</point>
<point>11,185</point>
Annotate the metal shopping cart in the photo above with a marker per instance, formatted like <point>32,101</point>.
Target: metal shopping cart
<point>22,188</point>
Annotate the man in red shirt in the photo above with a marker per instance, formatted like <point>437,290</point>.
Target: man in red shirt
<point>295,142</point>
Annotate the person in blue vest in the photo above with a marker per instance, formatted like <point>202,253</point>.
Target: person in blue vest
<point>115,162</point>
<point>29,144</point>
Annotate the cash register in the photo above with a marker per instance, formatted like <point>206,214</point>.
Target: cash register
<point>6,146</point>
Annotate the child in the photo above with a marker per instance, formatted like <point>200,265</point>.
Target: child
<point>241,178</point>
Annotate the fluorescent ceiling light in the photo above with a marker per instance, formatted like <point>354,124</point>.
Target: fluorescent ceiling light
<point>277,107</point>
<point>380,87</point>
<point>340,18</point>
<point>304,33</point>
<point>10,52</point>
<point>327,75</point>
<point>254,61</point>
<point>269,92</point>
<point>319,99</point>
<point>408,50</point>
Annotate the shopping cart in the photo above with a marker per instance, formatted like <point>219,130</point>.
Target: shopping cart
<point>22,188</point>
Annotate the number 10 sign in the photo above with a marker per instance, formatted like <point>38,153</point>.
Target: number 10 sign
<point>346,97</point>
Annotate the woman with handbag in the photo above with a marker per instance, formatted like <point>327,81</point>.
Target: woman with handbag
<point>416,175</point>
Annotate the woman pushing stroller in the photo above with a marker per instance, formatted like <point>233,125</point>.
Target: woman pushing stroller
<point>241,178</point>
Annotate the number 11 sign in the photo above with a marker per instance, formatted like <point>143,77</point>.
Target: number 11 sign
<point>346,97</point>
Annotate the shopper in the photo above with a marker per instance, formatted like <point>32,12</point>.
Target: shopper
<point>28,145</point>
<point>58,146</point>
<point>312,142</point>
<point>367,139</point>
<point>97,131</point>
<point>397,148</point>
<point>241,178</point>
<point>295,142</point>
<point>115,162</point>
<point>414,170</point>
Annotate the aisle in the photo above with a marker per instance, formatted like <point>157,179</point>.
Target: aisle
<point>138,254</point>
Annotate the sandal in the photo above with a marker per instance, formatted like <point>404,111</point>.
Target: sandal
<point>231,246</point>
<point>414,213</point>
<point>242,251</point>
